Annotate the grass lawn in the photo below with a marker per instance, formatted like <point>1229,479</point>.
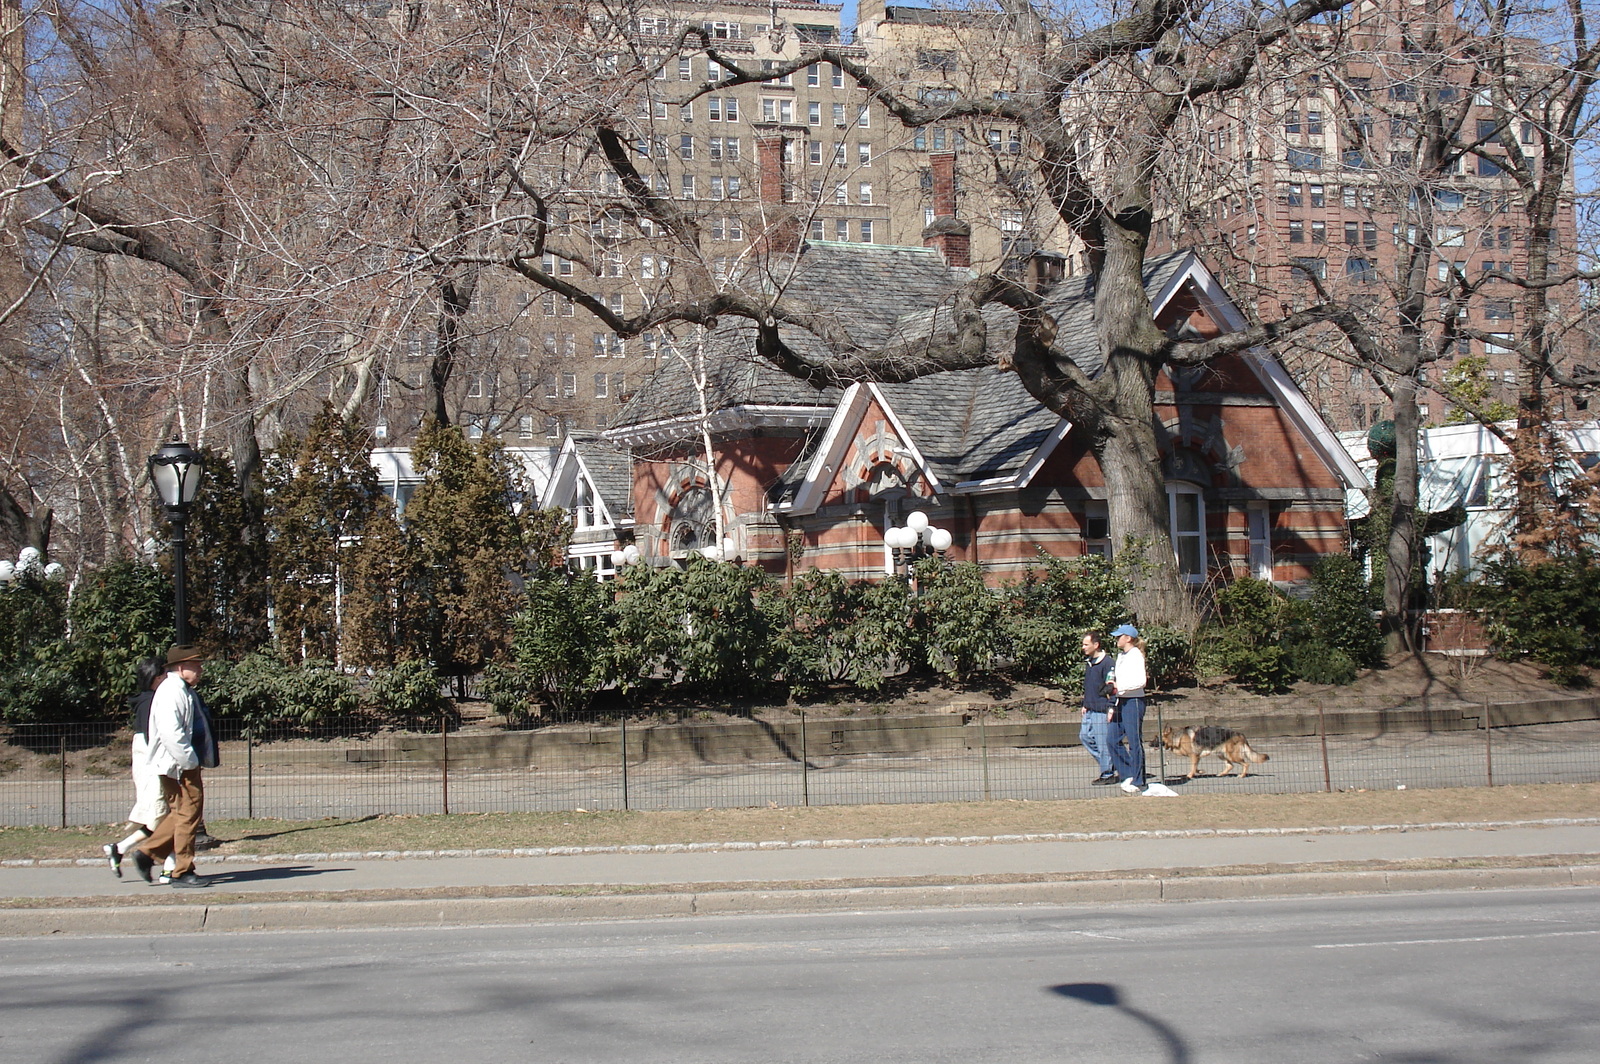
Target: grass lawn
<point>508,830</point>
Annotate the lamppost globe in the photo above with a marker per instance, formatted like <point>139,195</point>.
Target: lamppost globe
<point>7,572</point>
<point>54,571</point>
<point>630,554</point>
<point>917,521</point>
<point>175,470</point>
<point>29,559</point>
<point>940,539</point>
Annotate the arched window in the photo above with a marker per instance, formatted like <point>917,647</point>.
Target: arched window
<point>692,522</point>
<point>1186,518</point>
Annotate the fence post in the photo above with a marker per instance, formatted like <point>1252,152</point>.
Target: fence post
<point>983,733</point>
<point>444,761</point>
<point>1322,737</point>
<point>1161,747</point>
<point>805,764</point>
<point>250,773</point>
<point>63,779</point>
<point>625,804</point>
<point>1488,744</point>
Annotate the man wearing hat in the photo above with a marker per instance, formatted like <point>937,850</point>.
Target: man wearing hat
<point>182,742</point>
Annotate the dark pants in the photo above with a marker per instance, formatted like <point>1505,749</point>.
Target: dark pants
<point>1128,727</point>
<point>186,796</point>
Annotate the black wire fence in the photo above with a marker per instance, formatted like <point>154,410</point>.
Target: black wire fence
<point>78,774</point>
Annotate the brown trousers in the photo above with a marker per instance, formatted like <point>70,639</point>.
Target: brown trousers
<point>186,796</point>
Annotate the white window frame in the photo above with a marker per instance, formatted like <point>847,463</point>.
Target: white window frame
<point>1175,490</point>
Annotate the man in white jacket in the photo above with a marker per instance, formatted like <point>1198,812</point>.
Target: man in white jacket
<point>181,744</point>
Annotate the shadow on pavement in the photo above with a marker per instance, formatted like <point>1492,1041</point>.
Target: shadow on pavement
<point>267,875</point>
<point>1106,995</point>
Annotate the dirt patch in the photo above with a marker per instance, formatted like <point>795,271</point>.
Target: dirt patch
<point>515,830</point>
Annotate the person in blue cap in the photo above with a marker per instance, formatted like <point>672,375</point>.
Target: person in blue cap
<point>1124,733</point>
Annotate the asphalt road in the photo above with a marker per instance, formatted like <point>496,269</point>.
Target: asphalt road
<point>1502,977</point>
<point>1568,753</point>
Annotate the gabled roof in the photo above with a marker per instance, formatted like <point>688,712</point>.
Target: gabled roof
<point>607,469</point>
<point>973,430</point>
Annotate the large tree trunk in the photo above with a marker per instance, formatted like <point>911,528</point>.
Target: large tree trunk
<point>1128,442</point>
<point>1401,551</point>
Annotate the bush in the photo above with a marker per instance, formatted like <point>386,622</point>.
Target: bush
<point>265,693</point>
<point>958,617</point>
<point>1048,612</point>
<point>701,626</point>
<point>1549,611</point>
<point>1168,657</point>
<point>1263,669</point>
<point>509,692</point>
<point>119,614</point>
<point>559,638</point>
<point>409,692</point>
<point>46,689</point>
<point>1341,612</point>
<point>1321,664</point>
<point>33,614</point>
<point>836,630</point>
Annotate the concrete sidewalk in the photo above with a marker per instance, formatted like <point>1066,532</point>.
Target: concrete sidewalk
<point>355,890</point>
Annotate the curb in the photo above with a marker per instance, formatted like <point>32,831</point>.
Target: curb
<point>814,844</point>
<point>468,912</point>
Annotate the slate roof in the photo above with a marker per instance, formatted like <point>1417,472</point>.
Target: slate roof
<point>974,424</point>
<point>610,471</point>
<point>862,290</point>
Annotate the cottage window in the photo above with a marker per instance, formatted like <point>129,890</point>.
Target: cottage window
<point>1187,519</point>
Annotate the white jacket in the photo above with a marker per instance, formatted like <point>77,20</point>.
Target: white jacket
<point>172,713</point>
<point>1129,674</point>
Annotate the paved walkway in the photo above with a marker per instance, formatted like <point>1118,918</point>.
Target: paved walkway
<point>347,890</point>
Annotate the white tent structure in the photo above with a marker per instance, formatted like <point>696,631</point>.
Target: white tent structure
<point>1464,465</point>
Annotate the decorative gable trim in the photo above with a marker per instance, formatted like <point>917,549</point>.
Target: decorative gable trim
<point>905,438</point>
<point>569,468</point>
<point>1268,370</point>
<point>841,434</point>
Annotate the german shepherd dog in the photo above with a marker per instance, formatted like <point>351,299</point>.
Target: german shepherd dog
<point>1195,743</point>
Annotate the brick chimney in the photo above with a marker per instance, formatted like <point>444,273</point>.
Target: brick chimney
<point>782,228</point>
<point>947,233</point>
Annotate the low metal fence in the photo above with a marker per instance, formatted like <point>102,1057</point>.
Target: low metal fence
<point>78,774</point>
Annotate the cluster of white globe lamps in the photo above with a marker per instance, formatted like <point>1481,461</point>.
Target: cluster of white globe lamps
<point>917,530</point>
<point>29,560</point>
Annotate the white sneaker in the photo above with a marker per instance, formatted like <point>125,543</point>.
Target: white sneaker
<point>1129,786</point>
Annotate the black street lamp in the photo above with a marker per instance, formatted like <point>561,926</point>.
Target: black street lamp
<point>176,470</point>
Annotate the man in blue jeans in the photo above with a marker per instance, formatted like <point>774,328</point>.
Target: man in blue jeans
<point>1097,703</point>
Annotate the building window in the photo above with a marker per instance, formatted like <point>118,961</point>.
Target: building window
<point>814,113</point>
<point>1187,517</point>
<point>865,193</point>
<point>1361,271</point>
<point>1304,159</point>
<point>866,230</point>
<point>1097,529</point>
<point>1260,527</point>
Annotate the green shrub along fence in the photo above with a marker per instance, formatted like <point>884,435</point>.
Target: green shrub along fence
<point>77,774</point>
<point>712,632</point>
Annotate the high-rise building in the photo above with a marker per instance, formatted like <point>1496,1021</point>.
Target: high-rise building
<point>1377,134</point>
